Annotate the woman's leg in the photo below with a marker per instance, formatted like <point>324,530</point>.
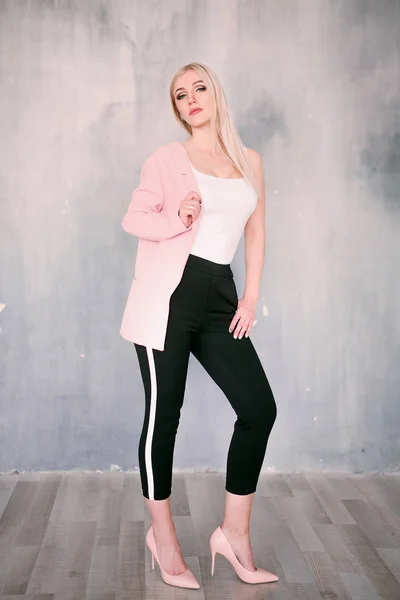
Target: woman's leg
<point>168,548</point>
<point>164,379</point>
<point>236,368</point>
<point>236,526</point>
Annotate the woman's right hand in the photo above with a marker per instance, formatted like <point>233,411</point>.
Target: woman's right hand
<point>190,208</point>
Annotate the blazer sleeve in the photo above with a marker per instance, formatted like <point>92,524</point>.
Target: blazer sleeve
<point>145,217</point>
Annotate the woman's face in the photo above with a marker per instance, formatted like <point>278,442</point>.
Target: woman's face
<point>190,94</point>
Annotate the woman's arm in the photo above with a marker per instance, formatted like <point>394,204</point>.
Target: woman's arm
<point>254,230</point>
<point>145,217</point>
<point>255,235</point>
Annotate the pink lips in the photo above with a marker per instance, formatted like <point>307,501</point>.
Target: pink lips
<point>195,111</point>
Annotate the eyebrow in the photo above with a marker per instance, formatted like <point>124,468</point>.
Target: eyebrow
<point>194,83</point>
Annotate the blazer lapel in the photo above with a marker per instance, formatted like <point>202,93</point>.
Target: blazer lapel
<point>183,163</point>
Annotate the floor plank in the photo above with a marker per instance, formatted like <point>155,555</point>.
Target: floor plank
<point>81,536</point>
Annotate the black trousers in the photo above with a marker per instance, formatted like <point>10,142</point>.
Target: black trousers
<point>201,309</point>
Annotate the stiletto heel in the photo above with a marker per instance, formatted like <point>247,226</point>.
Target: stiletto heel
<point>213,561</point>
<point>219,543</point>
<point>184,580</point>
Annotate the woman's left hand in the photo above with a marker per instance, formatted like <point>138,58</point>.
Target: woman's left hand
<point>243,320</point>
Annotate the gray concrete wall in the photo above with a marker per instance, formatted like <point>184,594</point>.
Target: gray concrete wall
<point>314,87</point>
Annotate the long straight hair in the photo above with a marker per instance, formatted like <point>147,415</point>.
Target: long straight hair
<point>226,138</point>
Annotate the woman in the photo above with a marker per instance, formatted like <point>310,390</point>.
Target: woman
<point>189,212</point>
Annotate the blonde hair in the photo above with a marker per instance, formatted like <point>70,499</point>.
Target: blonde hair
<point>227,139</point>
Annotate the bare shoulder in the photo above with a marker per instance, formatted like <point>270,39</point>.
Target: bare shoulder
<point>257,164</point>
<point>255,159</point>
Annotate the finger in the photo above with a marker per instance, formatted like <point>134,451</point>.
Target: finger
<point>250,322</point>
<point>193,197</point>
<point>238,332</point>
<point>243,331</point>
<point>194,203</point>
<point>192,206</point>
<point>232,327</point>
<point>248,332</point>
<point>243,328</point>
<point>249,328</point>
<point>234,322</point>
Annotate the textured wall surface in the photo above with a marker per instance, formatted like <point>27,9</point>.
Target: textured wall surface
<point>314,87</point>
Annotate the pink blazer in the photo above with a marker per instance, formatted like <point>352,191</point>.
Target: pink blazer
<point>164,242</point>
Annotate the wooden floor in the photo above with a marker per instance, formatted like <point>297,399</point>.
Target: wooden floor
<point>81,536</point>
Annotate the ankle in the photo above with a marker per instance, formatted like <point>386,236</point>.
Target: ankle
<point>164,530</point>
<point>235,531</point>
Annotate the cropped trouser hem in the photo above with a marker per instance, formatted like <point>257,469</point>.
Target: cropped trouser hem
<point>236,492</point>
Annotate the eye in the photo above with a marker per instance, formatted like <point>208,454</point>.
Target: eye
<point>202,87</point>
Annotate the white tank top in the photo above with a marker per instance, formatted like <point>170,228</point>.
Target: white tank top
<point>226,206</point>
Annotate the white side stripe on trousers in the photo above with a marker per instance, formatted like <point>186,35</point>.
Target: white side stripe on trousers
<point>152,417</point>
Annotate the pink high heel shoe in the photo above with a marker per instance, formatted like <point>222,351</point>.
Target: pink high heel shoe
<point>184,580</point>
<point>219,543</point>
